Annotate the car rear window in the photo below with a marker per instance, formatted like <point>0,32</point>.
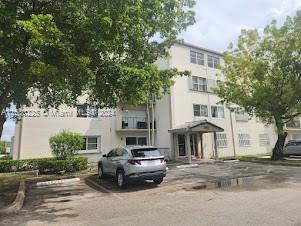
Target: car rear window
<point>145,152</point>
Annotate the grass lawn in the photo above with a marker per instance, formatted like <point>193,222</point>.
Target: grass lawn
<point>266,160</point>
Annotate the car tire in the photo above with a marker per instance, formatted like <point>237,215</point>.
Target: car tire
<point>121,179</point>
<point>158,180</point>
<point>100,172</point>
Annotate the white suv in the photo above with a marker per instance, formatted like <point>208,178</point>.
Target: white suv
<point>133,163</point>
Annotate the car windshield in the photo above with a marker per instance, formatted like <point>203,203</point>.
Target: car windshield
<point>146,152</point>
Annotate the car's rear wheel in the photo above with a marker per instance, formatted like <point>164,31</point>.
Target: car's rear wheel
<point>120,179</point>
<point>100,171</point>
<point>158,180</point>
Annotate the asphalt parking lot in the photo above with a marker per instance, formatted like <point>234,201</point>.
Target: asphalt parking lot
<point>210,194</point>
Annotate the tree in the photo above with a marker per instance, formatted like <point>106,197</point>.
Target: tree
<point>262,75</point>
<point>63,49</point>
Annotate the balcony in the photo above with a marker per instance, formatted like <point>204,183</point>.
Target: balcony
<point>135,123</point>
<point>294,124</point>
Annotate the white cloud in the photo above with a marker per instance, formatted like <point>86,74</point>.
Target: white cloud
<point>219,22</point>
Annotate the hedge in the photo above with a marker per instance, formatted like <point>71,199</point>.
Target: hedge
<point>44,165</point>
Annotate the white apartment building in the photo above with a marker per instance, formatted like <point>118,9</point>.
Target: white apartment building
<point>188,122</point>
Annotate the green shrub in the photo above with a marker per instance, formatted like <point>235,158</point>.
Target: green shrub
<point>3,146</point>
<point>66,144</point>
<point>44,165</point>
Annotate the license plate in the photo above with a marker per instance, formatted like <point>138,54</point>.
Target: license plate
<point>151,162</point>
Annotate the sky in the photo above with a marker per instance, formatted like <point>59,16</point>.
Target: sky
<point>218,23</point>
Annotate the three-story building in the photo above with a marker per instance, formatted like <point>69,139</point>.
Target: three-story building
<point>189,121</point>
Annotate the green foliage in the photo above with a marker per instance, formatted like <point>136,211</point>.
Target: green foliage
<point>66,144</point>
<point>3,146</point>
<point>64,49</point>
<point>44,165</point>
<point>262,74</point>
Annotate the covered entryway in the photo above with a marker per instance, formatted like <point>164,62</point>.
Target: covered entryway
<point>188,138</point>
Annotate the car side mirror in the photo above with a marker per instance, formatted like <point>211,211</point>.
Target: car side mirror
<point>104,156</point>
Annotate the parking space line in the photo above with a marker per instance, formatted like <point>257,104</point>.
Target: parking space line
<point>104,189</point>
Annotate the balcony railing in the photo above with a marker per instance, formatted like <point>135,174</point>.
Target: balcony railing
<point>135,123</point>
<point>294,124</point>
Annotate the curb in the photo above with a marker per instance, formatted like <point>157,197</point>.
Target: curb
<point>187,166</point>
<point>54,182</point>
<point>18,203</point>
<point>228,161</point>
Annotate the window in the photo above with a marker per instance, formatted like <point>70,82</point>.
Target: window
<point>91,143</point>
<point>211,84</point>
<point>217,112</point>
<point>241,116</point>
<point>213,62</point>
<point>199,84</point>
<point>86,111</point>
<point>200,110</point>
<point>244,140</point>
<point>112,153</point>
<point>136,141</point>
<point>197,58</point>
<point>145,152</point>
<point>264,140</point>
<point>221,140</point>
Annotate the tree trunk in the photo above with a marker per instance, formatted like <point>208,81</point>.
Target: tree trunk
<point>2,120</point>
<point>278,149</point>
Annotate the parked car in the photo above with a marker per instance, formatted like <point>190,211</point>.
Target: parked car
<point>293,147</point>
<point>133,163</point>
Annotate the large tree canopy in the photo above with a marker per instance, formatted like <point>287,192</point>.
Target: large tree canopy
<point>105,48</point>
<point>263,75</point>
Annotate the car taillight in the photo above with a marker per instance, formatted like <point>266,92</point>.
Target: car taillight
<point>162,160</point>
<point>134,162</point>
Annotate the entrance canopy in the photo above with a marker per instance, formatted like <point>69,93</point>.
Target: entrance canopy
<point>184,142</point>
<point>202,126</point>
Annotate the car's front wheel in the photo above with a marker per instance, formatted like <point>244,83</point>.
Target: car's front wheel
<point>158,180</point>
<point>100,171</point>
<point>120,179</point>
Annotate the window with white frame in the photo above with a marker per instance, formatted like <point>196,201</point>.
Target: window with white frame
<point>213,62</point>
<point>86,111</point>
<point>241,116</point>
<point>217,112</point>
<point>199,84</point>
<point>91,143</point>
<point>200,110</point>
<point>136,141</point>
<point>221,140</point>
<point>244,140</point>
<point>211,85</point>
<point>264,140</point>
<point>197,58</point>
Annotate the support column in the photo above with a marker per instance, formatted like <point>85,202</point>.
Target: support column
<point>188,149</point>
<point>215,147</point>
<point>199,148</point>
<point>202,146</point>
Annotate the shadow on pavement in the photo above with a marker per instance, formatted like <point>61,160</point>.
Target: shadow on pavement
<point>43,205</point>
<point>108,185</point>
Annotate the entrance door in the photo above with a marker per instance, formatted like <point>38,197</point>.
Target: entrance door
<point>193,145</point>
<point>181,145</point>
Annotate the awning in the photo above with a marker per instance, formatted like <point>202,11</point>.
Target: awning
<point>197,126</point>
